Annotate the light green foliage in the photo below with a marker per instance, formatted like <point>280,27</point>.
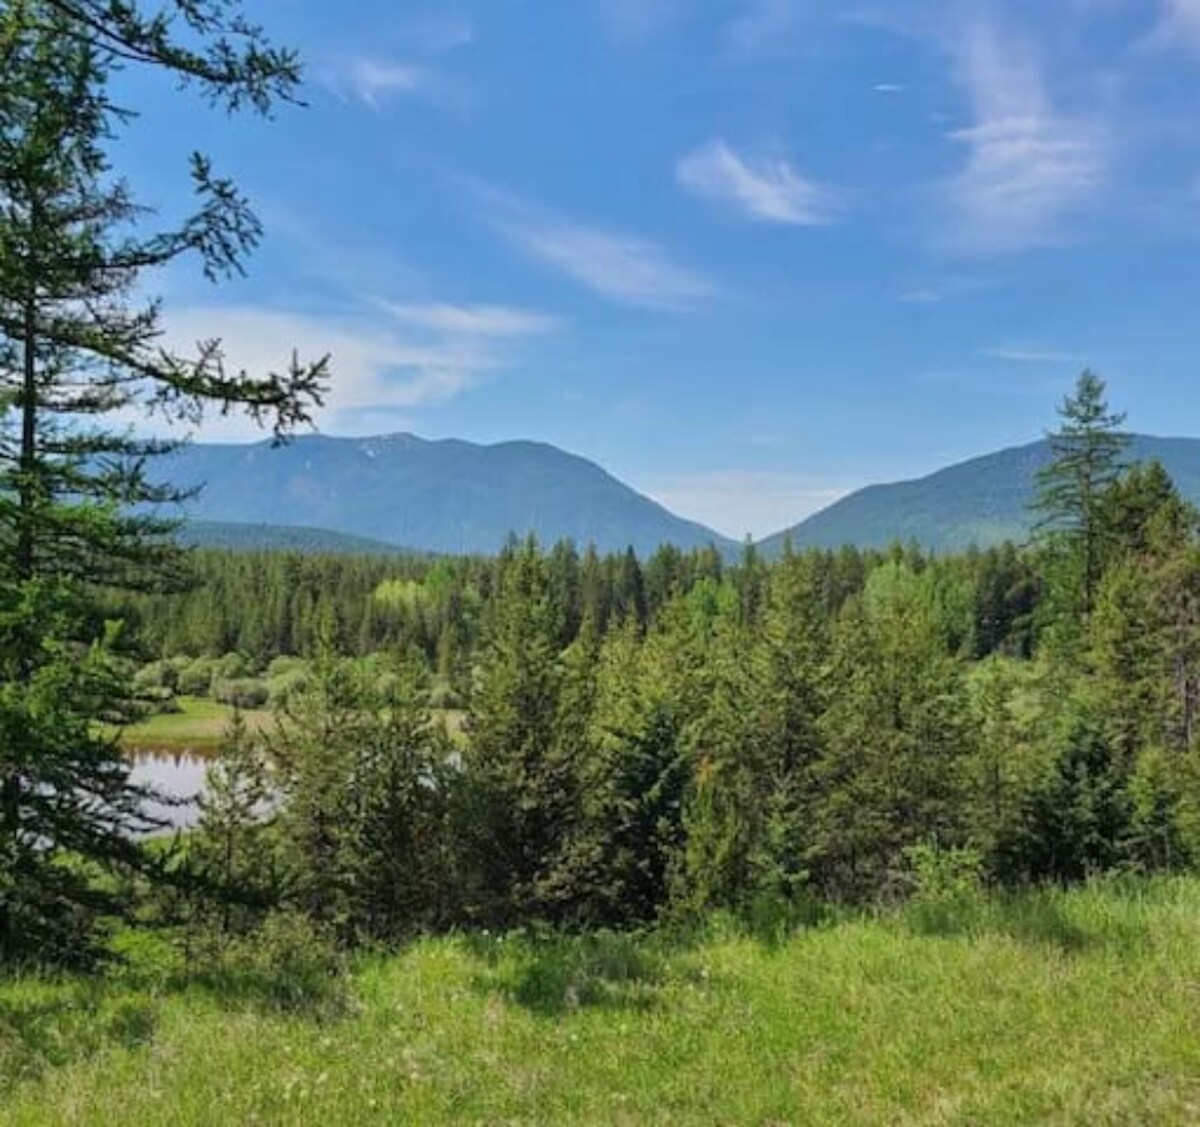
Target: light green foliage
<point>1048,1007</point>
<point>365,786</point>
<point>897,745</point>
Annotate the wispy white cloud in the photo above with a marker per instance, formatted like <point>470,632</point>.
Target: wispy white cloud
<point>769,190</point>
<point>472,320</point>
<point>376,82</point>
<point>622,267</point>
<point>764,27</point>
<point>738,502</point>
<point>1033,384</point>
<point>1178,25</point>
<point>934,293</point>
<point>377,369</point>
<point>1030,169</point>
<point>1025,354</point>
<point>923,295</point>
<point>889,88</point>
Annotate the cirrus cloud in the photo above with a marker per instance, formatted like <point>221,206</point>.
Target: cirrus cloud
<point>1031,171</point>
<point>767,190</point>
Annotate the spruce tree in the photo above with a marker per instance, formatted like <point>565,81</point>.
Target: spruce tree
<point>76,345</point>
<point>398,858</point>
<point>233,849</point>
<point>1087,453</point>
<point>895,744</point>
<point>518,780</point>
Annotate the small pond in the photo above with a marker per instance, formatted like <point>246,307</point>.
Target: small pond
<point>179,774</point>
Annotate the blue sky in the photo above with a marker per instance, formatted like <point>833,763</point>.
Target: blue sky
<point>746,254</point>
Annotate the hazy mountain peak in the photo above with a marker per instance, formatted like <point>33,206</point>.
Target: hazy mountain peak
<point>441,496</point>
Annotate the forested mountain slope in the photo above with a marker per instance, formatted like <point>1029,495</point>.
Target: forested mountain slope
<point>983,501</point>
<point>241,537</point>
<point>445,496</point>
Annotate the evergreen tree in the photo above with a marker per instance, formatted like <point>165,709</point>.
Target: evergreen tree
<point>1086,461</point>
<point>518,780</point>
<point>895,743</point>
<point>75,347</point>
<point>722,815</point>
<point>633,781</point>
<point>399,863</point>
<point>220,51</point>
<point>233,848</point>
<point>313,748</point>
<point>790,696</point>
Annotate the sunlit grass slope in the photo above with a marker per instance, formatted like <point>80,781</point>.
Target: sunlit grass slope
<point>1079,1008</point>
<point>199,726</point>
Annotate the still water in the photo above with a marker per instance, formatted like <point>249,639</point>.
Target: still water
<point>177,774</point>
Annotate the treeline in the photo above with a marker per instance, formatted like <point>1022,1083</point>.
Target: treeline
<point>267,605</point>
<point>817,727</point>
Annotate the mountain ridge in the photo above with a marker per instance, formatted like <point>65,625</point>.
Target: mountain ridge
<point>981,501</point>
<point>430,495</point>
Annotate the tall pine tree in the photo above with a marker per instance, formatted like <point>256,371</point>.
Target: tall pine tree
<point>75,347</point>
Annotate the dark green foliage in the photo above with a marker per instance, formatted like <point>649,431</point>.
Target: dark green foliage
<point>1087,457</point>
<point>896,744</point>
<point>520,775</point>
<point>66,801</point>
<point>401,866</point>
<point>78,342</point>
<point>366,785</point>
<point>631,783</point>
<point>233,850</point>
<point>235,537</point>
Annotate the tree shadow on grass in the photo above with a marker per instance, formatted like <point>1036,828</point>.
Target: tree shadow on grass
<point>285,967</point>
<point>48,1025</point>
<point>555,975</point>
<point>1035,918</point>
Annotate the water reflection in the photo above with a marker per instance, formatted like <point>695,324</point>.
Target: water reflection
<point>177,774</point>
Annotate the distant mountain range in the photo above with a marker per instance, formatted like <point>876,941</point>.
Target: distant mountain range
<point>399,492</point>
<point>447,496</point>
<point>984,501</point>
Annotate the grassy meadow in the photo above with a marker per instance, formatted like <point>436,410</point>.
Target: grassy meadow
<point>1080,1007</point>
<point>198,726</point>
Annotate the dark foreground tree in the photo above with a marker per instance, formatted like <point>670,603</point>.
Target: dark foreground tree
<point>76,346</point>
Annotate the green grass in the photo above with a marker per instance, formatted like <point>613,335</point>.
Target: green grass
<point>1079,1008</point>
<point>197,727</point>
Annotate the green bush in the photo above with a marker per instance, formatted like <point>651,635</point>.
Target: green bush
<point>196,678</point>
<point>284,686</point>
<point>233,667</point>
<point>284,666</point>
<point>443,696</point>
<point>246,692</point>
<point>288,964</point>
<point>156,680</point>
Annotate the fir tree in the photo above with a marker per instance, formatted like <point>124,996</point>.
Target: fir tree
<point>398,859</point>
<point>517,778</point>
<point>234,849</point>
<point>75,346</point>
<point>1087,454</point>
